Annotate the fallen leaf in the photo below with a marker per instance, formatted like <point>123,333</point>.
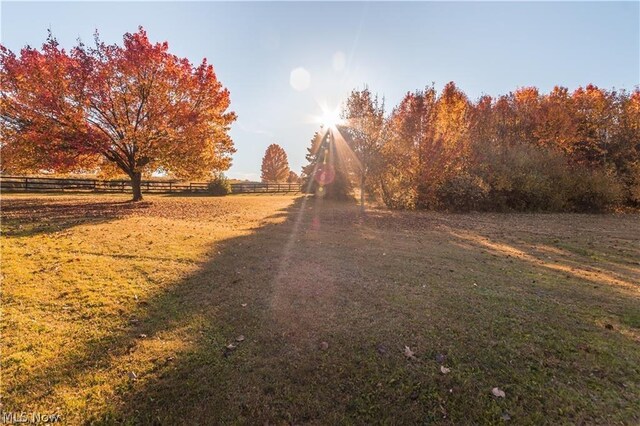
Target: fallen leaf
<point>244,305</point>
<point>382,349</point>
<point>142,336</point>
<point>444,370</point>
<point>409,353</point>
<point>506,417</point>
<point>440,358</point>
<point>324,346</point>
<point>240,338</point>
<point>498,392</point>
<point>228,349</point>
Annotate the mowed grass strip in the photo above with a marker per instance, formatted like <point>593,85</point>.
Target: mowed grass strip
<point>280,309</point>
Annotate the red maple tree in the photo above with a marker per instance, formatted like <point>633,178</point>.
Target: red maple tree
<point>136,106</point>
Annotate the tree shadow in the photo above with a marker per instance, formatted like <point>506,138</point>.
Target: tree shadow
<point>23,217</point>
<point>306,320</point>
<point>211,301</point>
<point>281,373</point>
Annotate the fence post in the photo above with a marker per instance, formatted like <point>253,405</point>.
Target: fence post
<point>26,183</point>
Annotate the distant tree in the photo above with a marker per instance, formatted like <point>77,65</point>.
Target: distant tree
<point>136,106</point>
<point>623,149</point>
<point>293,177</point>
<point>556,121</point>
<point>594,115</point>
<point>448,152</point>
<point>364,125</point>
<point>312,157</point>
<point>527,107</point>
<point>275,166</point>
<point>410,136</point>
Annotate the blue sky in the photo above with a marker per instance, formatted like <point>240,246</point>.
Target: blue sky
<point>484,47</point>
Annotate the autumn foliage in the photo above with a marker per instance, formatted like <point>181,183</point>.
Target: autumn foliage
<point>135,107</point>
<point>275,165</point>
<point>560,151</point>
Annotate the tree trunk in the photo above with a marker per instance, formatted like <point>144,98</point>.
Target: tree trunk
<point>362,184</point>
<point>136,179</point>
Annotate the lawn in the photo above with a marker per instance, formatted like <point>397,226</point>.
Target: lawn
<point>280,309</point>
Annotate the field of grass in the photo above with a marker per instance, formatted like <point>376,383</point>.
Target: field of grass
<point>280,309</point>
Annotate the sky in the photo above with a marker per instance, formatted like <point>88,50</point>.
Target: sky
<point>283,61</point>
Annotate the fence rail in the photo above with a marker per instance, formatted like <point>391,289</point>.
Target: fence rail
<point>243,188</point>
<point>46,184</point>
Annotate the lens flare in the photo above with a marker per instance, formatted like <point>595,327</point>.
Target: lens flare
<point>325,174</point>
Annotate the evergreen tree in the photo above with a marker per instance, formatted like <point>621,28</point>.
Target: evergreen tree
<point>326,175</point>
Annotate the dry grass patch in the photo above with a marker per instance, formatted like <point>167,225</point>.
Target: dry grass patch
<point>116,312</point>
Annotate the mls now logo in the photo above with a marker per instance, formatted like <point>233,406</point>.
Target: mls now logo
<point>14,417</point>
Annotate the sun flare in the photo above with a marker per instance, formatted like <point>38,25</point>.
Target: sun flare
<point>329,117</point>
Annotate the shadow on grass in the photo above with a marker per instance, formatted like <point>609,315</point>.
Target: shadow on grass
<point>242,272</point>
<point>319,308</point>
<point>23,217</point>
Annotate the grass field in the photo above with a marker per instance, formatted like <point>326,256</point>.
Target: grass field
<point>116,312</point>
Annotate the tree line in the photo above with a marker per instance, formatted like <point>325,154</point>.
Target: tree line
<point>524,151</point>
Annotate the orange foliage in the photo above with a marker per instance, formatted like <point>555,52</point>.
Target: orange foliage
<point>524,150</point>
<point>136,105</point>
<point>275,166</point>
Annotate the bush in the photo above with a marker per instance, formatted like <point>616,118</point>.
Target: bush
<point>630,180</point>
<point>396,188</point>
<point>463,193</point>
<point>219,186</point>
<point>524,178</point>
<point>594,191</point>
<point>528,178</point>
<point>516,177</point>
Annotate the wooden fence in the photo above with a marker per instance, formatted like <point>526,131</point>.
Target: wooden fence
<point>244,188</point>
<point>45,184</point>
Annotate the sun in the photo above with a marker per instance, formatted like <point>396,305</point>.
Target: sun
<point>330,117</point>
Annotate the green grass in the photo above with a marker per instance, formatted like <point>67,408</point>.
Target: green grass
<point>116,312</point>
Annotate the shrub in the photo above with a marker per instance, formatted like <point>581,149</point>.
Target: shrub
<point>529,178</point>
<point>524,178</point>
<point>396,188</point>
<point>463,193</point>
<point>219,186</point>
<point>593,191</point>
<point>630,179</point>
